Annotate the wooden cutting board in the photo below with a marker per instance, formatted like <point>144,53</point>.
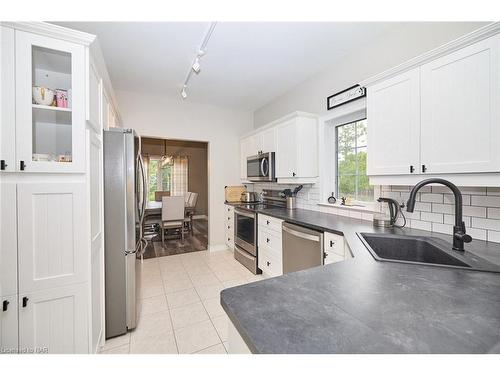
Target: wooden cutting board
<point>233,193</point>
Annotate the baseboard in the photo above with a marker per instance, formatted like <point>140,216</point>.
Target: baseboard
<point>214,248</point>
<point>197,217</point>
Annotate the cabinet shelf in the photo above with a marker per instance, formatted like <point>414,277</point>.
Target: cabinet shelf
<point>51,108</point>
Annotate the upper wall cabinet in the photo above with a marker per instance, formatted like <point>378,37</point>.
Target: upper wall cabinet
<point>50,104</point>
<point>460,110</point>
<point>294,140</point>
<point>7,101</point>
<point>441,117</point>
<point>297,150</point>
<point>393,112</point>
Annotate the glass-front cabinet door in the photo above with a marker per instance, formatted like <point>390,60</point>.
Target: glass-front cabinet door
<point>50,104</point>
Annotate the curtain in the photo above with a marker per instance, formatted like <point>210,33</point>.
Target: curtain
<point>180,175</point>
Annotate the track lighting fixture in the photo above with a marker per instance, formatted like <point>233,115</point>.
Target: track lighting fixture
<point>196,66</point>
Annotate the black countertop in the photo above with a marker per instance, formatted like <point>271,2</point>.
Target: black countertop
<point>365,306</point>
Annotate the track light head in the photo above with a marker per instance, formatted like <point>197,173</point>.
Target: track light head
<point>196,66</point>
<point>184,93</point>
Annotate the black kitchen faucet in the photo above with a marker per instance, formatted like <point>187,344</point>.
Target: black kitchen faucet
<point>459,235</point>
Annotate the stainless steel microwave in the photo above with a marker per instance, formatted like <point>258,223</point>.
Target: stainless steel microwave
<point>261,167</point>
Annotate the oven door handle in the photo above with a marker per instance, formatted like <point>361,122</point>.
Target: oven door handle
<point>246,214</point>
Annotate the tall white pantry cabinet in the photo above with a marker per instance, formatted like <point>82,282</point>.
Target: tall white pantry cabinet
<point>51,221</point>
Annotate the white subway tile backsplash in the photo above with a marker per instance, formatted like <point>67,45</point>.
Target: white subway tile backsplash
<point>450,219</point>
<point>433,198</point>
<point>492,224</point>
<point>434,207</point>
<point>493,236</point>
<point>485,201</point>
<point>493,213</point>
<point>474,211</point>
<point>450,199</point>
<point>418,224</point>
<point>442,228</point>
<point>477,234</point>
<point>443,208</point>
<point>419,206</point>
<point>432,217</point>
<point>493,191</point>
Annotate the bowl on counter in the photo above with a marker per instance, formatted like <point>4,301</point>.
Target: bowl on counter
<point>43,95</point>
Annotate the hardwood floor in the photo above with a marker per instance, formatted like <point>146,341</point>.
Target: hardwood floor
<point>197,241</point>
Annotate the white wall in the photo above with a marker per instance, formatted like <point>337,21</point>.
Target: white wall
<point>390,50</point>
<point>157,116</point>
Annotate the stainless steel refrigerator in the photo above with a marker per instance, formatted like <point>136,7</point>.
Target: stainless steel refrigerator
<point>124,203</point>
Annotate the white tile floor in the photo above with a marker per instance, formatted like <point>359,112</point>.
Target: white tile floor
<point>180,305</point>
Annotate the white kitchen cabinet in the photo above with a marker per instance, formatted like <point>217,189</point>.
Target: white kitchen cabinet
<point>94,101</point>
<point>54,320</point>
<point>229,226</point>
<point>8,325</point>
<point>52,247</point>
<point>8,239</point>
<point>7,101</point>
<point>460,110</point>
<point>297,150</point>
<point>248,147</point>
<point>334,248</point>
<point>393,112</point>
<point>49,138</point>
<point>270,253</point>
<point>266,140</point>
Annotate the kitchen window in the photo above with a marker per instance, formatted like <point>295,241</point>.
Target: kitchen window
<point>351,180</point>
<point>159,176</point>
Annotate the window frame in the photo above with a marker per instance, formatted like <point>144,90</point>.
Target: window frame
<point>356,148</point>
<point>350,112</point>
<point>159,175</point>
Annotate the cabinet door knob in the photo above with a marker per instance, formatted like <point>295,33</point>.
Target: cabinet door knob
<point>293,174</point>
<point>268,263</point>
<point>228,227</point>
<point>267,221</point>
<point>424,168</point>
<point>3,165</point>
<point>332,243</point>
<point>5,305</point>
<point>267,240</point>
<point>412,169</point>
<point>25,301</point>
<point>22,165</point>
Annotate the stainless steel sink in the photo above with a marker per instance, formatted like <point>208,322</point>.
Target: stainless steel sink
<point>422,250</point>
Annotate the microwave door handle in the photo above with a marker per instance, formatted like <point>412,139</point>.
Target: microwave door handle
<point>264,167</point>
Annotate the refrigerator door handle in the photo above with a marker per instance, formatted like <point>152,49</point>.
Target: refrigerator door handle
<point>144,192</point>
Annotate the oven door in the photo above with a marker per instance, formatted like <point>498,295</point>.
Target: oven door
<point>246,231</point>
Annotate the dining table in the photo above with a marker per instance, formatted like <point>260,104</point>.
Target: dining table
<point>154,208</point>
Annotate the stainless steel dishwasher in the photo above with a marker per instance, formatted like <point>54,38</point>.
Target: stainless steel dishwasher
<point>302,248</point>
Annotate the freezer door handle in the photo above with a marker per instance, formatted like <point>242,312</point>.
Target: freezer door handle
<point>305,236</point>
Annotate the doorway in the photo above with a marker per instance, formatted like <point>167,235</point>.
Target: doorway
<point>175,168</point>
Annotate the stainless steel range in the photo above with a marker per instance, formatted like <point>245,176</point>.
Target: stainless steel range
<point>245,223</point>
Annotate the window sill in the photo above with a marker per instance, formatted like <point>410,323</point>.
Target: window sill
<point>369,208</point>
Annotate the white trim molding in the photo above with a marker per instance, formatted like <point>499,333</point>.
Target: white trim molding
<point>278,121</point>
<point>53,31</point>
<point>468,39</point>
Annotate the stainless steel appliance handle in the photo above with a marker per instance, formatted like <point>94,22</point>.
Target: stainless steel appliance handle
<point>144,192</point>
<point>305,236</point>
<point>244,253</point>
<point>263,169</point>
<point>242,213</point>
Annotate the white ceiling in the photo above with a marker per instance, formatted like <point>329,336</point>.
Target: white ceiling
<point>247,63</point>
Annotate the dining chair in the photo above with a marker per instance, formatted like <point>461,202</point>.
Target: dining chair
<point>172,215</point>
<point>160,194</point>
<point>190,208</point>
